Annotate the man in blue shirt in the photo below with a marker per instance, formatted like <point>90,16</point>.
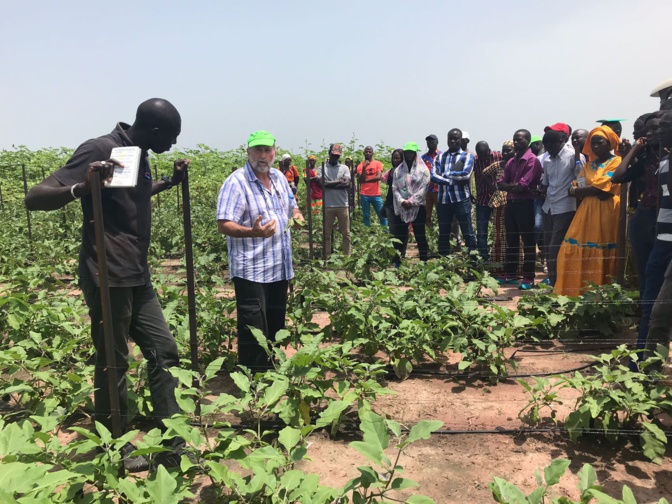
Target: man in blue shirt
<point>452,173</point>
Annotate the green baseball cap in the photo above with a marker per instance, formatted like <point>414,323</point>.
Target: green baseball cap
<point>535,138</point>
<point>412,146</point>
<point>261,138</point>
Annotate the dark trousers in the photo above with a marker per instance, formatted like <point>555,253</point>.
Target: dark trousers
<point>260,305</point>
<point>659,261</point>
<point>399,230</point>
<point>642,237</point>
<point>519,223</point>
<point>555,228</point>
<point>483,213</point>
<point>660,323</point>
<point>446,212</point>
<point>136,313</point>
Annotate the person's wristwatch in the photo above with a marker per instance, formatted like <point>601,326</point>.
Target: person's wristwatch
<point>168,181</point>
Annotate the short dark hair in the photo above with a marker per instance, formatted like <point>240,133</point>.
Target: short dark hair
<point>454,130</point>
<point>525,132</point>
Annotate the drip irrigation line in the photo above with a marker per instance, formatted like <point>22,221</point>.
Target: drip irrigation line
<point>569,350</point>
<point>485,376</point>
<point>447,432</point>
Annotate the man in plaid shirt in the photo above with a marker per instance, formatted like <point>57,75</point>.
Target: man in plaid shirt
<point>452,173</point>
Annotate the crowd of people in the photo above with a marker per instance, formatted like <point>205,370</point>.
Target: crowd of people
<point>560,192</point>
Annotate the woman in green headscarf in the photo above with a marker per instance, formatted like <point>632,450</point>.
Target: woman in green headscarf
<point>409,189</point>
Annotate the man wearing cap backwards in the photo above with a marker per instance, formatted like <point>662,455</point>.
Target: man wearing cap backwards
<point>253,211</point>
<point>290,172</point>
<point>127,227</point>
<point>369,175</point>
<point>452,172</point>
<point>433,192</point>
<point>559,208</point>
<point>520,180</point>
<point>335,182</point>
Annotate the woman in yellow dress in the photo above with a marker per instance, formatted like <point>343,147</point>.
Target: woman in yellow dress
<point>588,253</point>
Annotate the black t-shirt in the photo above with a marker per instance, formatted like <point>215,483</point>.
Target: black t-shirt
<point>126,213</point>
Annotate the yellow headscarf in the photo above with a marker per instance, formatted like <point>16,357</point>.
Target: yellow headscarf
<point>606,132</point>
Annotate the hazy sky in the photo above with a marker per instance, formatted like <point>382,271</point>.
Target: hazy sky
<point>318,72</point>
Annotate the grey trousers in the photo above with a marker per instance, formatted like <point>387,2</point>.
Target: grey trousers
<point>555,228</point>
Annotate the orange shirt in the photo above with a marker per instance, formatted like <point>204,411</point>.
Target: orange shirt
<point>292,174</point>
<point>373,170</point>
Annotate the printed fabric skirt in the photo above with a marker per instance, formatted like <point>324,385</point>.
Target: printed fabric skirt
<point>589,252</point>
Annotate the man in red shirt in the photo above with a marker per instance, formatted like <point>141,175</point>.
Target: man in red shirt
<point>369,174</point>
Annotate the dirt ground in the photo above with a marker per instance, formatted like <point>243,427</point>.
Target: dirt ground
<point>457,465</point>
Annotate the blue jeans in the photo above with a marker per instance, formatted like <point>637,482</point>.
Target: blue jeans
<point>483,213</point>
<point>656,266</point>
<point>445,213</point>
<point>377,203</point>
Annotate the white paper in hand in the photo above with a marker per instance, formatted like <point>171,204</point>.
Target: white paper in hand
<point>126,176</point>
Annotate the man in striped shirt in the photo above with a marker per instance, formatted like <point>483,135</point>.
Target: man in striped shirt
<point>484,191</point>
<point>452,173</point>
<point>661,254</point>
<point>253,210</point>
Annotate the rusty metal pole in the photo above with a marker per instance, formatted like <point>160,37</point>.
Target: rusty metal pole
<point>309,210</point>
<point>25,192</point>
<point>324,215</point>
<point>622,216</point>
<point>189,259</point>
<point>106,306</point>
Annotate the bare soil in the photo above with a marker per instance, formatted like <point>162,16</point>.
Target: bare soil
<point>457,465</point>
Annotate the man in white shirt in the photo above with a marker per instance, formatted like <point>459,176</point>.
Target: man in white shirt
<point>559,208</point>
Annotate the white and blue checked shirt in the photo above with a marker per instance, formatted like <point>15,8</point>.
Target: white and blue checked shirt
<point>242,199</point>
<point>449,191</point>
